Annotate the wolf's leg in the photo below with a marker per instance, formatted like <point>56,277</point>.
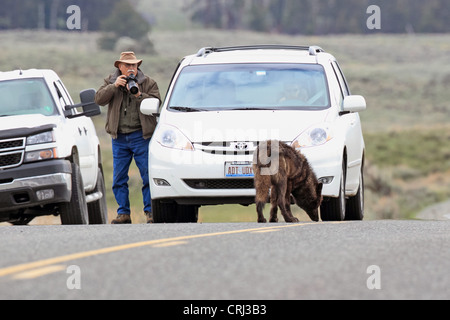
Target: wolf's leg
<point>289,212</point>
<point>259,210</point>
<point>288,203</point>
<point>274,205</point>
<point>262,186</point>
<point>284,202</point>
<point>281,199</point>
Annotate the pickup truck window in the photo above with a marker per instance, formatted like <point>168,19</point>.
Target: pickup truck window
<point>26,96</point>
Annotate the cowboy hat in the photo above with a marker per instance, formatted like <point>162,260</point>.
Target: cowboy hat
<point>128,57</point>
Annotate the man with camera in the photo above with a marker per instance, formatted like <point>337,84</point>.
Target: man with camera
<point>131,131</point>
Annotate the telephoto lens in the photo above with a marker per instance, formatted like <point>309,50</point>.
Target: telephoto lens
<point>131,80</point>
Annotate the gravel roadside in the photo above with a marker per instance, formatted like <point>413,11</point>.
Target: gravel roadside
<point>440,211</point>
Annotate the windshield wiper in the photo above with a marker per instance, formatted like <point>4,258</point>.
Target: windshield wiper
<point>251,108</point>
<point>188,109</point>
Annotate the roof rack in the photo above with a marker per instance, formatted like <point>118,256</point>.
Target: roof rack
<point>313,50</point>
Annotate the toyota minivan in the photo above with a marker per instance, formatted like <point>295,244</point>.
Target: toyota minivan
<point>223,102</point>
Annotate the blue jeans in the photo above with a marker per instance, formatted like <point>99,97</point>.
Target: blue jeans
<point>125,148</point>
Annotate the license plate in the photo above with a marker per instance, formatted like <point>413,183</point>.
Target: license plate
<point>239,170</point>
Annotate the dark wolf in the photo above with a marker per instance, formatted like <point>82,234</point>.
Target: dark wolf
<point>285,172</point>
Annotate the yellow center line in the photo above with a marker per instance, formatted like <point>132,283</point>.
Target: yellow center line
<point>81,255</point>
<point>266,231</point>
<point>35,273</point>
<point>169,244</point>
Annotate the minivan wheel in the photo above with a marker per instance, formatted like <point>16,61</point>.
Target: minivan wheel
<point>187,214</point>
<point>333,209</point>
<point>355,204</point>
<point>164,212</point>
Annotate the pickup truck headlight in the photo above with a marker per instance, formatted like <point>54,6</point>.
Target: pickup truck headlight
<point>314,136</point>
<point>171,137</point>
<point>45,137</point>
<point>38,155</point>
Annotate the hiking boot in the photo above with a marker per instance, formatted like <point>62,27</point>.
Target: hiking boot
<point>149,216</point>
<point>122,219</point>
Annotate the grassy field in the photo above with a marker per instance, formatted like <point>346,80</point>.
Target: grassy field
<point>405,80</point>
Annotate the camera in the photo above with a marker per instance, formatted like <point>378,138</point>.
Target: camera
<point>131,80</point>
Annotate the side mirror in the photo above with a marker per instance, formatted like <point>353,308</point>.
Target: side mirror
<point>90,108</point>
<point>150,106</point>
<point>354,104</point>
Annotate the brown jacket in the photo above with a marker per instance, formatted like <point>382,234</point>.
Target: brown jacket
<point>109,95</point>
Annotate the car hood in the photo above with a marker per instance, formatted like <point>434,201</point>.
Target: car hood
<point>261,125</point>
<point>17,123</point>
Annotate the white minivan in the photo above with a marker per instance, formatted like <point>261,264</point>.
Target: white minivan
<point>223,102</point>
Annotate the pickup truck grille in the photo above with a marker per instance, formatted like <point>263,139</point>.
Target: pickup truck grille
<point>11,152</point>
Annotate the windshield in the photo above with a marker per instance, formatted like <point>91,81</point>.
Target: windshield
<point>28,96</point>
<point>250,87</point>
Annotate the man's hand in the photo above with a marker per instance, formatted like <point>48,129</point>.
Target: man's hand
<point>121,81</point>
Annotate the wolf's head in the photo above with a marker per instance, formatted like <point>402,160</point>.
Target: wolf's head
<point>310,199</point>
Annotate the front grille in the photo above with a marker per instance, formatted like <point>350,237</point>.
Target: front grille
<point>227,147</point>
<point>13,144</point>
<point>11,152</point>
<point>220,183</point>
<point>11,159</point>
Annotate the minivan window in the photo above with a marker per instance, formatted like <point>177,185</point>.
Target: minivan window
<point>250,87</point>
<point>27,96</point>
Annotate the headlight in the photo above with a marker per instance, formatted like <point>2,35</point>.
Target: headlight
<point>171,137</point>
<point>39,155</point>
<point>45,137</point>
<point>314,136</point>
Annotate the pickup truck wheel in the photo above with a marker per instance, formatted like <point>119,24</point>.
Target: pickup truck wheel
<point>98,210</point>
<point>75,211</point>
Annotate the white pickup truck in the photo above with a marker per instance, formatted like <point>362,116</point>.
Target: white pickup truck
<point>50,159</point>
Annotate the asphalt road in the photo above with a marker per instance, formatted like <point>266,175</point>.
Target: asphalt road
<point>239,261</point>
